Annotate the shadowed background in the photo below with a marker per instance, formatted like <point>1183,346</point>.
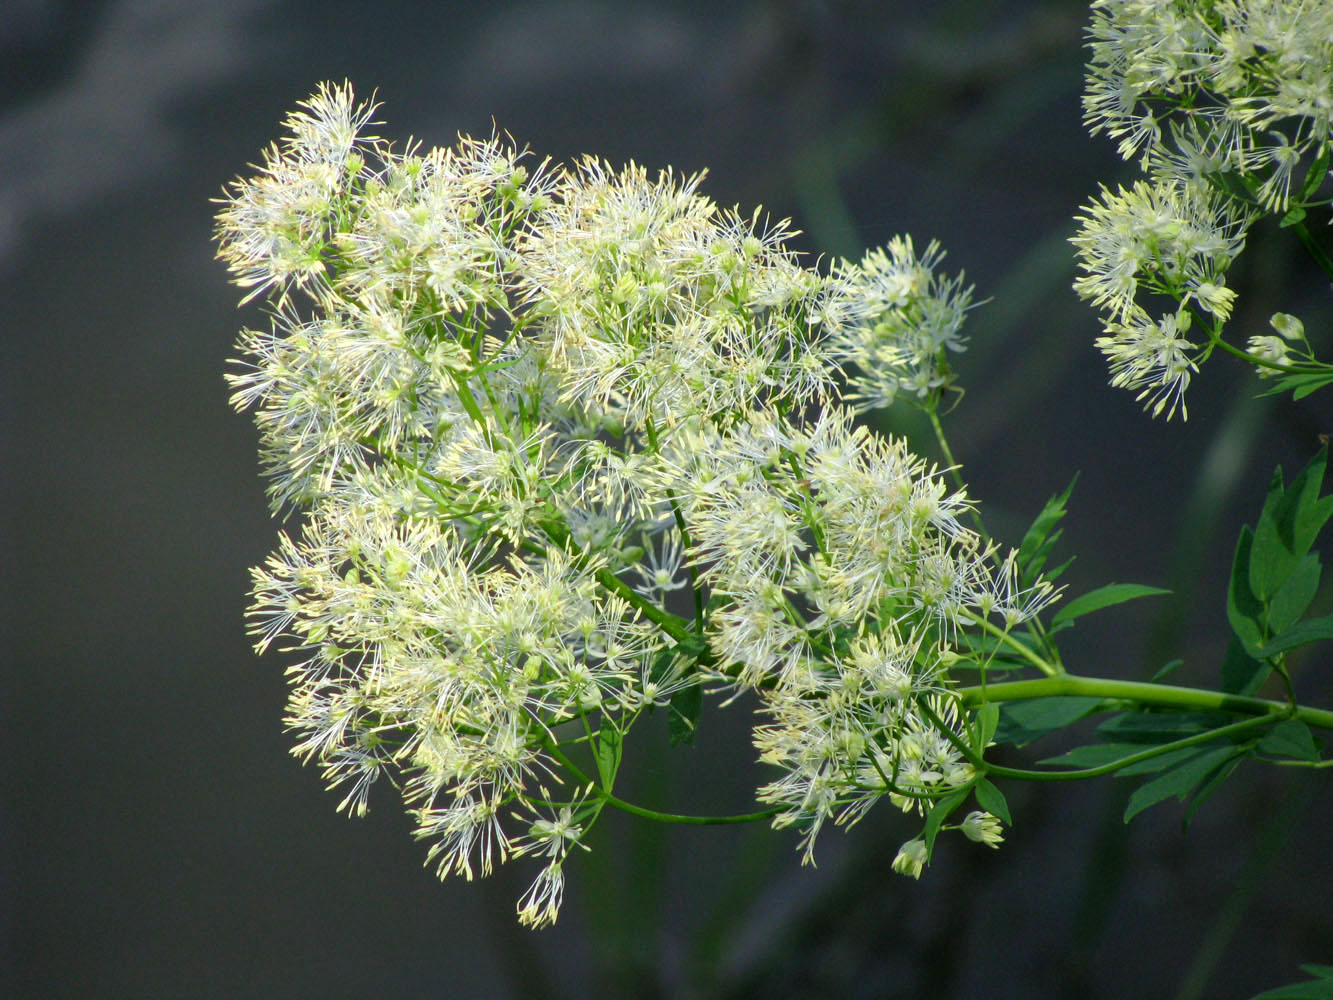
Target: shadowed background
<point>159,840</point>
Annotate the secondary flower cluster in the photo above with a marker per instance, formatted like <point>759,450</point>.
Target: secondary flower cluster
<point>1223,102</point>
<point>521,409</point>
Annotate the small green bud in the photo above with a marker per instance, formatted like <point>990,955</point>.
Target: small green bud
<point>1288,326</point>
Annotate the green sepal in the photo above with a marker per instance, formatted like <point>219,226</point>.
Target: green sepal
<point>610,744</point>
<point>992,800</point>
<point>1022,722</point>
<point>1180,780</point>
<point>1104,597</point>
<point>939,812</point>
<point>1292,739</point>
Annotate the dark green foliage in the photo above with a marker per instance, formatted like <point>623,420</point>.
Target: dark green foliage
<point>1035,549</point>
<point>1180,779</point>
<point>1275,576</point>
<point>1022,722</point>
<point>1319,988</point>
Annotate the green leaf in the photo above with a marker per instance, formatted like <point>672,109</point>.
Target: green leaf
<point>1153,728</point>
<point>1271,559</point>
<point>1244,610</point>
<point>992,800</point>
<point>1179,780</point>
<point>1166,670</point>
<point>940,811</point>
<point>1288,526</point>
<point>1021,722</point>
<point>1300,384</point>
<point>1231,184</point>
<point>1309,513</point>
<point>609,747</point>
<point>1159,763</point>
<point>1319,988</point>
<point>988,717</point>
<point>1311,630</point>
<point>683,713</point>
<point>1094,755</point>
<point>1051,575</point>
<point>1241,673</point>
<point>1314,177</point>
<point>1104,597</point>
<point>1291,738</point>
<point>1206,788</point>
<point>1294,215</point>
<point>1312,383</point>
<point>1036,546</point>
<point>1294,596</point>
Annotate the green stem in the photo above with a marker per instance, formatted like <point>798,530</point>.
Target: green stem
<point>661,817</point>
<point>1080,774</point>
<point>1050,670</point>
<point>1160,695</point>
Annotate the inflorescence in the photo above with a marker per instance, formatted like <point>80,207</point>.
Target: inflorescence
<point>1227,105</point>
<point>569,444</point>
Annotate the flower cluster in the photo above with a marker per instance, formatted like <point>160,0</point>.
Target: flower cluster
<point>526,410</point>
<point>1223,102</point>
<point>893,320</point>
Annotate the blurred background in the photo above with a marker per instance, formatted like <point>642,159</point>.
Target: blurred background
<point>159,841</point>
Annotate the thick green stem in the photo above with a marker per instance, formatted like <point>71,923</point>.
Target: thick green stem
<point>1142,693</point>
